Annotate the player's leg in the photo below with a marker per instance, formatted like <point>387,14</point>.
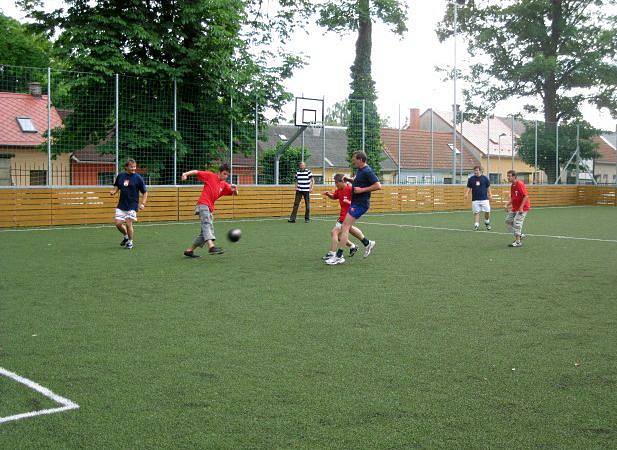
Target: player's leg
<point>519,219</point>
<point>357,233</point>
<point>510,222</point>
<point>121,226</point>
<point>334,236</point>
<point>343,237</point>
<point>487,219</point>
<point>294,212</point>
<point>129,232</point>
<point>475,208</point>
<point>307,206</point>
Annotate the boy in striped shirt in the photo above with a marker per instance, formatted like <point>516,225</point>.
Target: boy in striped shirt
<point>304,186</point>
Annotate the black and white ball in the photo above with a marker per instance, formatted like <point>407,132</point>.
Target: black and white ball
<point>234,234</point>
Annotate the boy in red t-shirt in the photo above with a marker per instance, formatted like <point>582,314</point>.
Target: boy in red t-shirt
<point>215,186</point>
<point>517,208</point>
<point>343,194</point>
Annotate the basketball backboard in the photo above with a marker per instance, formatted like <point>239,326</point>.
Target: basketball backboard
<point>308,111</point>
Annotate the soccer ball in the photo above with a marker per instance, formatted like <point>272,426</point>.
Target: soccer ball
<point>234,234</point>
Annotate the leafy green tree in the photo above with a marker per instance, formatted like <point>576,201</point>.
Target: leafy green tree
<point>217,52</point>
<point>561,52</point>
<point>288,165</point>
<point>358,16</point>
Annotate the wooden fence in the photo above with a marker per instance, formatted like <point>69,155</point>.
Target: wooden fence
<point>71,206</point>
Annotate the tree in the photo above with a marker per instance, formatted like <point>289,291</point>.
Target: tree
<point>358,15</point>
<point>288,164</point>
<point>214,51</point>
<point>559,51</point>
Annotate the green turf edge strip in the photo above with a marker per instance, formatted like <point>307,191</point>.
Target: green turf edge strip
<point>65,402</point>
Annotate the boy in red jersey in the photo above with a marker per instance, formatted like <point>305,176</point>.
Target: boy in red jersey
<point>215,186</point>
<point>517,208</point>
<point>343,194</point>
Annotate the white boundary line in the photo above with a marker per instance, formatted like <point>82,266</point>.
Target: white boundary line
<point>461,230</point>
<point>262,219</point>
<point>65,402</point>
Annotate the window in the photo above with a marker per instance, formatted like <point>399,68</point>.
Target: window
<point>427,179</point>
<point>106,178</point>
<point>38,177</point>
<point>235,179</point>
<point>412,180</point>
<point>494,178</point>
<point>317,179</point>
<point>26,124</point>
<point>447,180</point>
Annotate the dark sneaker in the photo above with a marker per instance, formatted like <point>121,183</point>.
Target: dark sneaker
<point>216,251</point>
<point>124,241</point>
<point>307,220</point>
<point>488,227</point>
<point>328,256</point>
<point>292,221</point>
<point>352,251</point>
<point>190,254</point>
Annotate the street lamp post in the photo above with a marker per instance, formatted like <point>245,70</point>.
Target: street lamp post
<point>454,121</point>
<point>499,155</point>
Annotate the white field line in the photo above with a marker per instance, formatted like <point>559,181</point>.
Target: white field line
<point>65,402</point>
<point>263,219</point>
<point>461,230</point>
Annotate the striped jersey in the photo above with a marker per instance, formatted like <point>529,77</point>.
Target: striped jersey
<point>303,180</point>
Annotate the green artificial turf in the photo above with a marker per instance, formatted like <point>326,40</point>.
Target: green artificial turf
<point>440,339</point>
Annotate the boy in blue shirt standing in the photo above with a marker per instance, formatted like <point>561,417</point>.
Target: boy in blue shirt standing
<point>363,184</point>
<point>480,188</point>
<point>130,184</point>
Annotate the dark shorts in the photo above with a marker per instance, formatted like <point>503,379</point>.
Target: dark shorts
<point>357,211</point>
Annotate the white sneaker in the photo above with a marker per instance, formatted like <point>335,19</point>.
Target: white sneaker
<point>369,248</point>
<point>515,244</point>
<point>488,226</point>
<point>335,260</point>
<point>328,256</point>
<point>476,227</point>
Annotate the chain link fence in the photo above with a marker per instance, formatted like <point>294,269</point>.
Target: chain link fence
<point>83,132</point>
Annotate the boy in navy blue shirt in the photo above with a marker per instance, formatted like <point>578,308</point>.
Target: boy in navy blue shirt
<point>480,188</point>
<point>130,184</point>
<point>363,184</point>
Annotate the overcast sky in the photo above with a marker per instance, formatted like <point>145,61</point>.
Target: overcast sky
<point>403,69</point>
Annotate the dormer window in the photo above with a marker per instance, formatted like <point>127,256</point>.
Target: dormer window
<point>26,124</point>
<point>456,150</point>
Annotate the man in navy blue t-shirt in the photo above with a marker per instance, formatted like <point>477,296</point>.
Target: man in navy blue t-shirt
<point>130,184</point>
<point>363,184</point>
<point>480,188</point>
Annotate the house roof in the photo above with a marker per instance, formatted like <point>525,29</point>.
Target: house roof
<point>89,154</point>
<point>478,133</point>
<point>336,146</point>
<point>416,149</point>
<point>13,106</point>
<point>607,152</point>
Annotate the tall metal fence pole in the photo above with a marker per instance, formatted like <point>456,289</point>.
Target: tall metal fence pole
<point>398,176</point>
<point>231,138</point>
<point>256,141</point>
<point>363,125</point>
<point>616,159</point>
<point>536,148</point>
<point>117,95</point>
<point>488,147</point>
<point>512,135</point>
<point>461,140</point>
<point>557,174</point>
<point>432,149</point>
<point>49,170</point>
<point>578,153</point>
<point>175,131</point>
<point>323,127</point>
<point>454,113</point>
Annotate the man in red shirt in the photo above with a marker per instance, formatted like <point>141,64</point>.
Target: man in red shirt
<point>343,194</point>
<point>517,208</point>
<point>215,186</point>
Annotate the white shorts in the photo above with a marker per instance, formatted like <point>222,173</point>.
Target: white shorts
<point>123,215</point>
<point>479,206</point>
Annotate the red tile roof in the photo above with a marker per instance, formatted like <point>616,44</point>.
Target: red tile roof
<point>24,105</point>
<point>416,149</point>
<point>606,150</point>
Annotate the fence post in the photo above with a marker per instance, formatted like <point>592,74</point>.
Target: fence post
<point>256,141</point>
<point>175,131</point>
<point>557,174</point>
<point>512,135</point>
<point>432,148</point>
<point>488,147</point>
<point>49,171</point>
<point>536,148</point>
<point>461,140</point>
<point>231,138</point>
<point>323,178</point>
<point>398,176</point>
<point>117,128</point>
<point>363,125</point>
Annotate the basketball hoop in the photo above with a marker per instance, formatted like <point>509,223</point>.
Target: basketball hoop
<point>315,128</point>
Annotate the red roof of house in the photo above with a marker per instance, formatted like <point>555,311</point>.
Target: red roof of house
<point>416,149</point>
<point>13,106</point>
<point>605,149</point>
